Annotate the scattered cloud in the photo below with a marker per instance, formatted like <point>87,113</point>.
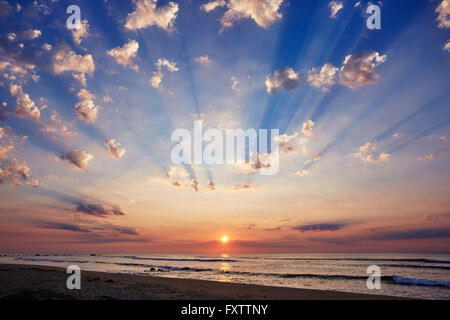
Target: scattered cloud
<point>30,34</point>
<point>203,60</point>
<point>157,77</point>
<point>114,149</point>
<point>307,128</point>
<point>447,46</point>
<point>443,11</point>
<point>335,7</point>
<point>263,12</point>
<point>66,60</point>
<point>46,47</point>
<point>77,158</point>
<point>26,108</point>
<point>98,210</point>
<point>56,126</point>
<point>81,32</point>
<point>5,8</point>
<point>320,227</point>
<point>234,84</point>
<point>367,155</point>
<point>358,69</point>
<point>324,78</point>
<point>429,156</point>
<point>85,108</point>
<point>285,78</point>
<point>124,55</point>
<point>80,77</point>
<point>17,173</point>
<point>147,14</point>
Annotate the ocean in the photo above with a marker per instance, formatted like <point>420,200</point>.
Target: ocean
<point>425,276</point>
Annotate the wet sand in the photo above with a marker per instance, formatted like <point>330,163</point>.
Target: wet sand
<point>27,282</point>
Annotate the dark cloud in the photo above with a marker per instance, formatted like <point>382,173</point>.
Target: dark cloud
<point>320,227</point>
<point>429,233</point>
<point>98,210</point>
<point>63,226</point>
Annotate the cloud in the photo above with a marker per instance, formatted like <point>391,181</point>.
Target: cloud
<point>66,60</point>
<point>14,69</point>
<point>263,12</point>
<point>5,8</point>
<point>81,77</point>
<point>320,227</point>
<point>358,69</point>
<point>324,78</point>
<point>114,149</point>
<point>62,226</point>
<point>147,14</point>
<point>429,233</point>
<point>178,176</point>
<point>46,47</point>
<point>170,65</point>
<point>124,55</point>
<point>26,108</point>
<point>30,34</point>
<point>57,126</point>
<point>77,158</point>
<point>81,32</point>
<point>307,128</point>
<point>156,79</point>
<point>429,156</point>
<point>366,154</point>
<point>158,76</point>
<point>335,7</point>
<point>234,84</point>
<point>17,173</point>
<point>285,78</point>
<point>85,108</point>
<point>443,11</point>
<point>210,6</point>
<point>203,60</point>
<point>98,210</point>
<point>447,46</point>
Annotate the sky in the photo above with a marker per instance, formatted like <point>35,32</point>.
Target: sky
<point>86,117</point>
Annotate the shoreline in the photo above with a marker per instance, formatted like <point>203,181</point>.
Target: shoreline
<point>36,282</point>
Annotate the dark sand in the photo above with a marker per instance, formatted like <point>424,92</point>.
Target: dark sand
<point>26,282</point>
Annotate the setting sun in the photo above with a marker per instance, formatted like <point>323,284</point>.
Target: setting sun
<point>224,239</point>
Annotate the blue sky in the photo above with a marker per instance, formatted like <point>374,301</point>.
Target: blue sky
<point>374,157</point>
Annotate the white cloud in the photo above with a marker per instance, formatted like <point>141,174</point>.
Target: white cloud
<point>156,79</point>
<point>81,77</point>
<point>171,66</point>
<point>210,6</point>
<point>447,46</point>
<point>26,108</point>
<point>203,60</point>
<point>358,69</point>
<point>80,33</point>
<point>85,108</point>
<point>114,149</point>
<point>46,47</point>
<point>66,60</point>
<point>56,126</point>
<point>263,12</point>
<point>147,14</point>
<point>335,7</point>
<point>307,128</point>
<point>234,83</point>
<point>366,154</point>
<point>285,78</point>
<point>30,34</point>
<point>158,76</point>
<point>17,173</point>
<point>443,11</point>
<point>429,156</point>
<point>124,55</point>
<point>324,78</point>
<point>77,158</point>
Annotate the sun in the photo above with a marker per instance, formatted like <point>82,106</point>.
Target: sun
<point>224,239</point>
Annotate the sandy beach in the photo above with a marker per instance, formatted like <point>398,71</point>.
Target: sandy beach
<point>28,282</point>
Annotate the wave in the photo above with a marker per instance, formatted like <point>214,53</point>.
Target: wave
<point>415,266</point>
<point>421,282</point>
<point>49,260</point>
<point>422,260</point>
<point>180,259</point>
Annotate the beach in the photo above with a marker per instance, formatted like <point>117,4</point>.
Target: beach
<point>32,282</point>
